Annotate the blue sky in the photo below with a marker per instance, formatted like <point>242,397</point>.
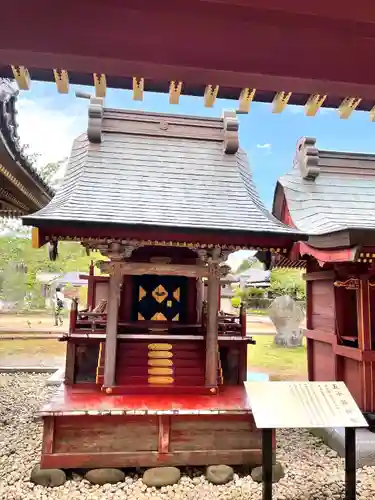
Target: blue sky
<point>49,121</point>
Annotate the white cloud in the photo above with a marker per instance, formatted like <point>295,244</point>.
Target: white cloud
<point>48,131</point>
<point>264,146</point>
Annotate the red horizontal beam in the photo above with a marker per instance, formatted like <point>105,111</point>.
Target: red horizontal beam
<point>233,46</point>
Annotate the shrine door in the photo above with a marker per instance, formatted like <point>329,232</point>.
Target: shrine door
<point>160,298</point>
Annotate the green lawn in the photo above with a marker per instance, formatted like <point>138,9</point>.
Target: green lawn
<point>258,312</point>
<point>279,362</point>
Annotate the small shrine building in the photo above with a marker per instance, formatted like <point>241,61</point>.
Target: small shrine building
<point>166,198</point>
<point>330,195</point>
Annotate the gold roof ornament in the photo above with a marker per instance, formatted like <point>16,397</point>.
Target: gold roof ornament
<point>280,101</point>
<point>22,77</point>
<point>246,98</point>
<point>314,103</point>
<point>175,89</point>
<point>138,88</point>
<point>100,83</point>
<point>62,80</point>
<point>348,105</point>
<point>210,95</point>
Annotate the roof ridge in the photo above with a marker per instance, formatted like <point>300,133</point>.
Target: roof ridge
<point>103,120</point>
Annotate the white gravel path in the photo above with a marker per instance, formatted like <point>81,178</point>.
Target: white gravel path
<point>313,471</point>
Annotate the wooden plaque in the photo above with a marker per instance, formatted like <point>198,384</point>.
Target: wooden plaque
<point>277,405</point>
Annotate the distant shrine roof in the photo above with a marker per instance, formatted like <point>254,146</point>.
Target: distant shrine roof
<point>22,189</point>
<point>146,169</point>
<point>329,191</point>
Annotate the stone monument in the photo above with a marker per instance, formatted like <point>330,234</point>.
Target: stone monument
<point>287,315</point>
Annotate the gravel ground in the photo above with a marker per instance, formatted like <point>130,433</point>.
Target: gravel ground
<point>313,471</point>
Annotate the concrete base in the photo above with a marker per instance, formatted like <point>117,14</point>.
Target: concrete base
<point>27,369</point>
<point>335,439</point>
<point>57,378</point>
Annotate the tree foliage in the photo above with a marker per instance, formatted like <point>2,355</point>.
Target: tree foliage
<point>20,265</point>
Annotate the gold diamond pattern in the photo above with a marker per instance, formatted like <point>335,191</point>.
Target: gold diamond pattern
<point>142,293</point>
<point>160,294</point>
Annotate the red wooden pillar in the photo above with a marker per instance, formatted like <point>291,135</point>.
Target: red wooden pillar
<point>364,341</point>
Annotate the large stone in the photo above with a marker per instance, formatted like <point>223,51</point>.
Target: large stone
<point>47,477</point>
<point>219,474</point>
<point>277,473</point>
<point>161,476</point>
<point>287,315</point>
<point>105,476</point>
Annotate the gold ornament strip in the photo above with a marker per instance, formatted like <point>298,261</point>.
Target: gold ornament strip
<point>160,380</point>
<point>160,347</point>
<point>160,362</point>
<point>160,370</point>
<point>160,354</point>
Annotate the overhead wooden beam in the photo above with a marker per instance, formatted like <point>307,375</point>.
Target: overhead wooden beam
<point>246,98</point>
<point>139,268</point>
<point>314,103</point>
<point>138,88</point>
<point>175,89</point>
<point>210,95</point>
<point>22,77</point>
<point>280,101</point>
<point>100,83</point>
<point>348,105</point>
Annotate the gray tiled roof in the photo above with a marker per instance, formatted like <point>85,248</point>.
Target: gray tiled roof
<point>135,176</point>
<point>340,195</point>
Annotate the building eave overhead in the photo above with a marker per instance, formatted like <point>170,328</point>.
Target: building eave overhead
<point>22,191</point>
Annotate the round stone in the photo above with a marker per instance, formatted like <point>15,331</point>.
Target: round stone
<point>161,476</point>
<point>47,477</point>
<point>219,474</point>
<point>277,473</point>
<point>105,476</point>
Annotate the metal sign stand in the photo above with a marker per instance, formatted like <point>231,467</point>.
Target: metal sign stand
<point>350,463</point>
<point>292,405</point>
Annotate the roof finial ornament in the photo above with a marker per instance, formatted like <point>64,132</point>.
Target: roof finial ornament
<point>307,158</point>
<point>231,126</point>
<point>96,109</point>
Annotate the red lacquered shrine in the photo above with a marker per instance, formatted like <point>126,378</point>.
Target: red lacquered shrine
<point>331,196</point>
<point>153,376</point>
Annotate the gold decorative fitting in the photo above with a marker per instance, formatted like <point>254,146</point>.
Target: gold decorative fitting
<point>349,284</point>
<point>372,114</point>
<point>22,77</point>
<point>109,390</point>
<point>138,87</point>
<point>348,105</point>
<point>314,103</point>
<point>210,95</point>
<point>160,380</point>
<point>175,89</point>
<point>100,83</point>
<point>280,101</point>
<point>62,80</point>
<point>160,354</point>
<point>160,347</point>
<point>160,362</point>
<point>246,98</point>
<point>160,371</point>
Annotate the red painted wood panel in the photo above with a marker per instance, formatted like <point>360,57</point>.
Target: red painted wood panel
<point>323,362</point>
<point>105,434</point>
<point>202,432</point>
<point>323,305</point>
<point>352,376</point>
